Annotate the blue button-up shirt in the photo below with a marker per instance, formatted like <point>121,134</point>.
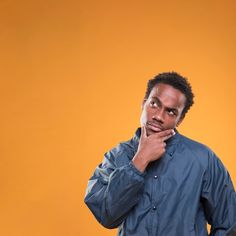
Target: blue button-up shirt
<point>176,196</point>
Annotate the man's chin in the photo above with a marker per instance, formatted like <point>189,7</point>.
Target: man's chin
<point>150,131</point>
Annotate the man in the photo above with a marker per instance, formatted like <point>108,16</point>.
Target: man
<point>160,182</point>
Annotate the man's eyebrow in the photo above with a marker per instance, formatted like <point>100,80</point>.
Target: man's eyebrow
<point>156,98</point>
<point>168,108</point>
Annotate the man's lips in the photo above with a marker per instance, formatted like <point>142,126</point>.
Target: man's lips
<point>154,127</point>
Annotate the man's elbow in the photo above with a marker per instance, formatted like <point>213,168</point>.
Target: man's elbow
<point>108,223</point>
<point>101,216</point>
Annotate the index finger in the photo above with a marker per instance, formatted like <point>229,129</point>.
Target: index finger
<point>166,133</point>
<point>143,132</point>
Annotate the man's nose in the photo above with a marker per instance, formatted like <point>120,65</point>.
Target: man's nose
<point>158,115</point>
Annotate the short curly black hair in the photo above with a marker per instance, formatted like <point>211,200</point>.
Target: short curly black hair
<point>178,82</point>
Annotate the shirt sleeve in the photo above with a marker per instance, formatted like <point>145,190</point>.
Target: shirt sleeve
<point>218,197</point>
<point>114,190</point>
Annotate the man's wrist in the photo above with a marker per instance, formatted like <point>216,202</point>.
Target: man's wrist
<point>140,162</point>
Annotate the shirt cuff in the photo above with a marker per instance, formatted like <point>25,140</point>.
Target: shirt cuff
<point>136,170</point>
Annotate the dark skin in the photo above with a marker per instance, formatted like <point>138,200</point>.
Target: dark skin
<point>161,113</point>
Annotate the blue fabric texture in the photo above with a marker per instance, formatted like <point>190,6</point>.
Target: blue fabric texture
<point>176,196</point>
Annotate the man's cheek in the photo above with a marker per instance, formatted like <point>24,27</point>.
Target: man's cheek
<point>143,119</point>
<point>170,126</point>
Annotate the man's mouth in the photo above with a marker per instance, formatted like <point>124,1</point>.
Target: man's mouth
<point>154,126</point>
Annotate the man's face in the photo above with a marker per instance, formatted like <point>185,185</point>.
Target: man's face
<point>163,109</point>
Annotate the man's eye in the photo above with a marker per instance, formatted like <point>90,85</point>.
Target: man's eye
<point>171,113</point>
<point>153,104</point>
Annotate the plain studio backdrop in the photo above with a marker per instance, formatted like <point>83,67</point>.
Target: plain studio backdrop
<point>72,78</point>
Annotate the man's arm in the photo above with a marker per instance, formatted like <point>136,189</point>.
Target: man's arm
<point>113,191</point>
<point>218,197</point>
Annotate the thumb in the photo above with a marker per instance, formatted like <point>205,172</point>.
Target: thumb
<point>143,132</point>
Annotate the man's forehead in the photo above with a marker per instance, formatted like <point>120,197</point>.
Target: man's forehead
<point>166,89</point>
<point>168,94</point>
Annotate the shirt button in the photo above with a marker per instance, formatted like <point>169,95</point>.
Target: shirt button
<point>155,177</point>
<point>154,208</point>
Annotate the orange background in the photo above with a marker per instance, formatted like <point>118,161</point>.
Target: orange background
<point>72,78</point>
